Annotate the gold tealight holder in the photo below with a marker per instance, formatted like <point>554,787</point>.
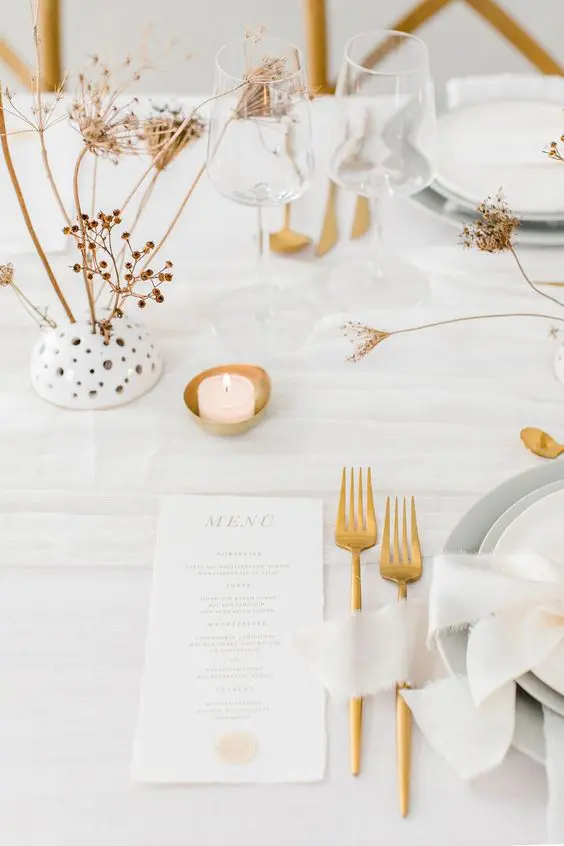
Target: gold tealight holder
<point>261,384</point>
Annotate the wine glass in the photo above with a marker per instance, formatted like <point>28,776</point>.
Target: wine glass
<point>260,154</point>
<point>386,146</point>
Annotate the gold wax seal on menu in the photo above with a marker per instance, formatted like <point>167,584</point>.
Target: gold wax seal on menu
<point>238,747</point>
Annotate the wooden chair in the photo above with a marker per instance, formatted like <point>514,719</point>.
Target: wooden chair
<point>490,10</point>
<point>49,29</point>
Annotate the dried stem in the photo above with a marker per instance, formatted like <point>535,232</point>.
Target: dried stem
<point>528,281</point>
<point>37,85</point>
<point>39,316</point>
<point>51,178</point>
<point>178,214</point>
<point>88,286</point>
<point>172,140</point>
<point>94,186</point>
<point>25,213</point>
<point>371,338</point>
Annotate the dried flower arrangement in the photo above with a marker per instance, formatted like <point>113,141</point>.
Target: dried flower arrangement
<point>493,231</point>
<point>105,116</point>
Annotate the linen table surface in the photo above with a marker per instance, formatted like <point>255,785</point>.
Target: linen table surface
<point>437,414</point>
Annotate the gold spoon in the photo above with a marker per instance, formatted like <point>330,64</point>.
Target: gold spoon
<point>541,443</point>
<point>287,240</point>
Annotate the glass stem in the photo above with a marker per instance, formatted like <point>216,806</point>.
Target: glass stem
<point>263,247</point>
<point>376,214</point>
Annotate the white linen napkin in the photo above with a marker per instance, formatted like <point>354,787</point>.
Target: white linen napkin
<point>513,607</point>
<point>462,91</point>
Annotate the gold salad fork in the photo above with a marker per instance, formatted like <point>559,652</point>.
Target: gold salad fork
<point>401,566</point>
<point>356,533</point>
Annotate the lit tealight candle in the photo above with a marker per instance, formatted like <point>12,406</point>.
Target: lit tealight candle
<point>226,399</point>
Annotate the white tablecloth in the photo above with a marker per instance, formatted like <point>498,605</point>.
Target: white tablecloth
<point>436,414</point>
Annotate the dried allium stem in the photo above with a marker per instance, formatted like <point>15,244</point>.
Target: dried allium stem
<point>26,216</point>
<point>88,286</point>
<point>178,214</point>
<point>532,284</point>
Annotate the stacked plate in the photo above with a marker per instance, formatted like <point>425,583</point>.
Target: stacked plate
<point>500,144</point>
<point>524,513</point>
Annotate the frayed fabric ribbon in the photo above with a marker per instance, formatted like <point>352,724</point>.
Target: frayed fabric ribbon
<point>367,652</point>
<point>513,610</point>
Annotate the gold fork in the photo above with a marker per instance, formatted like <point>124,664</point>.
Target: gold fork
<point>401,567</point>
<point>356,533</point>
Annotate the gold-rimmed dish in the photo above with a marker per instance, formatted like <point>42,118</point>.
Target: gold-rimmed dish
<point>261,383</point>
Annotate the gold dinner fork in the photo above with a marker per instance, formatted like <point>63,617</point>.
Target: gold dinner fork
<point>356,533</point>
<point>401,567</point>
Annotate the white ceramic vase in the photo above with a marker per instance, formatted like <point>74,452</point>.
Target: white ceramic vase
<point>73,368</point>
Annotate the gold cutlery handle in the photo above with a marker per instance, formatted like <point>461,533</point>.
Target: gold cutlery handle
<point>355,729</point>
<point>355,705</point>
<point>403,735</point>
<point>356,590</point>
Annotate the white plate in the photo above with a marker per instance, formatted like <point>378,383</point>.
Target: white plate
<point>535,523</point>
<point>500,144</point>
<point>469,207</point>
<point>468,536</point>
<point>531,234</point>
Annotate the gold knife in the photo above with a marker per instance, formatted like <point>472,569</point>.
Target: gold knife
<point>361,222</point>
<point>330,230</point>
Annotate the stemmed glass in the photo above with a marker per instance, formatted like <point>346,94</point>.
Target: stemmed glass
<point>386,146</point>
<point>260,154</point>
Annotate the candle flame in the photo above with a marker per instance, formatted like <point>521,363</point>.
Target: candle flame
<point>226,382</point>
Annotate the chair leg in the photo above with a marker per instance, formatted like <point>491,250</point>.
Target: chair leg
<point>49,28</point>
<point>316,38</point>
<point>516,35</point>
<point>411,21</point>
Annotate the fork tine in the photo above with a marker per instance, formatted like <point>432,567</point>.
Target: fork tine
<point>396,533</point>
<point>361,521</point>
<point>341,511</point>
<point>370,511</point>
<point>351,524</point>
<point>415,545</point>
<point>385,546</point>
<point>404,549</point>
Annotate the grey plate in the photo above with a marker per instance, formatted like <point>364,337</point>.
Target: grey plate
<point>540,234</point>
<point>529,682</point>
<point>468,536</point>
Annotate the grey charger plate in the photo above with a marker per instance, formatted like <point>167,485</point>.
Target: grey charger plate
<point>538,233</point>
<point>468,537</point>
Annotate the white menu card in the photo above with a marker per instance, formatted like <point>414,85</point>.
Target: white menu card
<point>225,697</point>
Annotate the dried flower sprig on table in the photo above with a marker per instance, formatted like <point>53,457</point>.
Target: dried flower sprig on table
<point>493,231</point>
<point>495,227</point>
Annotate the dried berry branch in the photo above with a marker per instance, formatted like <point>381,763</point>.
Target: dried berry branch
<point>99,260</point>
